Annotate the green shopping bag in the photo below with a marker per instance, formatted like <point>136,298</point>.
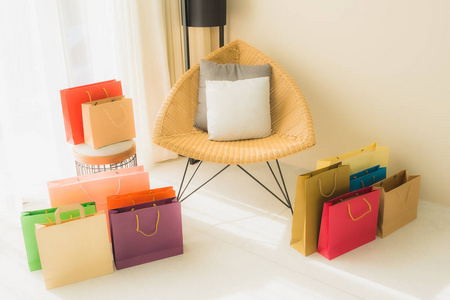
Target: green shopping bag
<point>44,216</point>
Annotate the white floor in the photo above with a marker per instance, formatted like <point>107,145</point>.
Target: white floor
<point>236,243</point>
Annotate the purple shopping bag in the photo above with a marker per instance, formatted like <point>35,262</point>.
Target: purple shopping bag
<point>146,232</point>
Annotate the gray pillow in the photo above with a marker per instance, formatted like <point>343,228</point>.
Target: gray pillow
<point>223,72</point>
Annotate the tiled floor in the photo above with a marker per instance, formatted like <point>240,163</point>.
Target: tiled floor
<point>236,242</point>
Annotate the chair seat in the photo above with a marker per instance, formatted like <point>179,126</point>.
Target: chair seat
<point>292,125</point>
<point>196,145</point>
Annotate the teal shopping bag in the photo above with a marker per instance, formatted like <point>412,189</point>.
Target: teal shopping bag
<point>44,216</point>
<point>367,177</point>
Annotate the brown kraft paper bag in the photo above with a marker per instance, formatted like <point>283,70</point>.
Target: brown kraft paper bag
<point>399,197</point>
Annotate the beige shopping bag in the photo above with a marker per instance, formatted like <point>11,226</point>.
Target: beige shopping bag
<point>313,190</point>
<point>361,159</point>
<point>75,249</point>
<point>108,121</point>
<point>399,198</point>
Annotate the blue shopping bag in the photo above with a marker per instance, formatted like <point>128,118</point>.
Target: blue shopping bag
<point>367,177</point>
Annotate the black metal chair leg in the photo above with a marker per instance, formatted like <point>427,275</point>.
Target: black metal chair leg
<point>281,185</point>
<point>182,190</point>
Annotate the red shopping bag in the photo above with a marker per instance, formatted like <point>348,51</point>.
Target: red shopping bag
<point>348,222</point>
<point>72,98</point>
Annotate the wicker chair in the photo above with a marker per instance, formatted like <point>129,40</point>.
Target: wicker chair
<point>292,126</point>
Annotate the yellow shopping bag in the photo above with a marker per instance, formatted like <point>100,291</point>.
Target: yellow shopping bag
<point>313,190</point>
<point>75,249</point>
<point>361,159</point>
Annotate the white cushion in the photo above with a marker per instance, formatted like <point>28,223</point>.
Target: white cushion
<point>230,72</point>
<point>238,110</point>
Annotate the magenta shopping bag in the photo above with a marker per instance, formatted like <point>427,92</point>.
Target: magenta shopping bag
<point>348,222</point>
<point>146,232</point>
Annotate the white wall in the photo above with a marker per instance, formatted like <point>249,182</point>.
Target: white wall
<point>369,70</point>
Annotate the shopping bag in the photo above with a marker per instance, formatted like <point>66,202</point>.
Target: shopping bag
<point>366,178</point>
<point>71,100</point>
<point>399,198</point>
<point>146,232</point>
<point>75,249</point>
<point>108,121</point>
<point>121,200</point>
<point>361,159</point>
<point>97,187</point>
<point>348,222</point>
<point>116,201</point>
<point>29,219</point>
<point>313,189</point>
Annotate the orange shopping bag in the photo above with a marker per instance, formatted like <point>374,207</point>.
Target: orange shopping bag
<point>123,200</point>
<point>97,187</point>
<point>108,121</point>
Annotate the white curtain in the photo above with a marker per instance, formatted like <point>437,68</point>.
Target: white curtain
<point>52,45</point>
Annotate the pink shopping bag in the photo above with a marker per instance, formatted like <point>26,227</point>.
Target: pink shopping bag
<point>348,222</point>
<point>97,187</point>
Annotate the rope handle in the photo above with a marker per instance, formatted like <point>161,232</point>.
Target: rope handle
<point>334,188</point>
<point>350,213</point>
<point>373,181</point>
<point>150,192</point>
<point>90,99</point>
<point>111,119</point>
<point>50,220</point>
<point>156,227</point>
<point>68,208</point>
<point>99,202</point>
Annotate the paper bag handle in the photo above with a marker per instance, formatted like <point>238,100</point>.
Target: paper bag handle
<point>132,201</point>
<point>373,181</point>
<point>112,121</point>
<point>350,213</point>
<point>102,202</point>
<point>62,209</point>
<point>320,187</point>
<point>90,99</point>
<point>143,233</point>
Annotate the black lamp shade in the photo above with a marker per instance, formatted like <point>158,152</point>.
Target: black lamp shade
<point>205,13</point>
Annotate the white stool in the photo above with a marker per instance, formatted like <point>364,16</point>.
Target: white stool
<point>116,156</point>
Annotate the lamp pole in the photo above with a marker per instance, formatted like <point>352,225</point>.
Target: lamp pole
<point>202,13</point>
